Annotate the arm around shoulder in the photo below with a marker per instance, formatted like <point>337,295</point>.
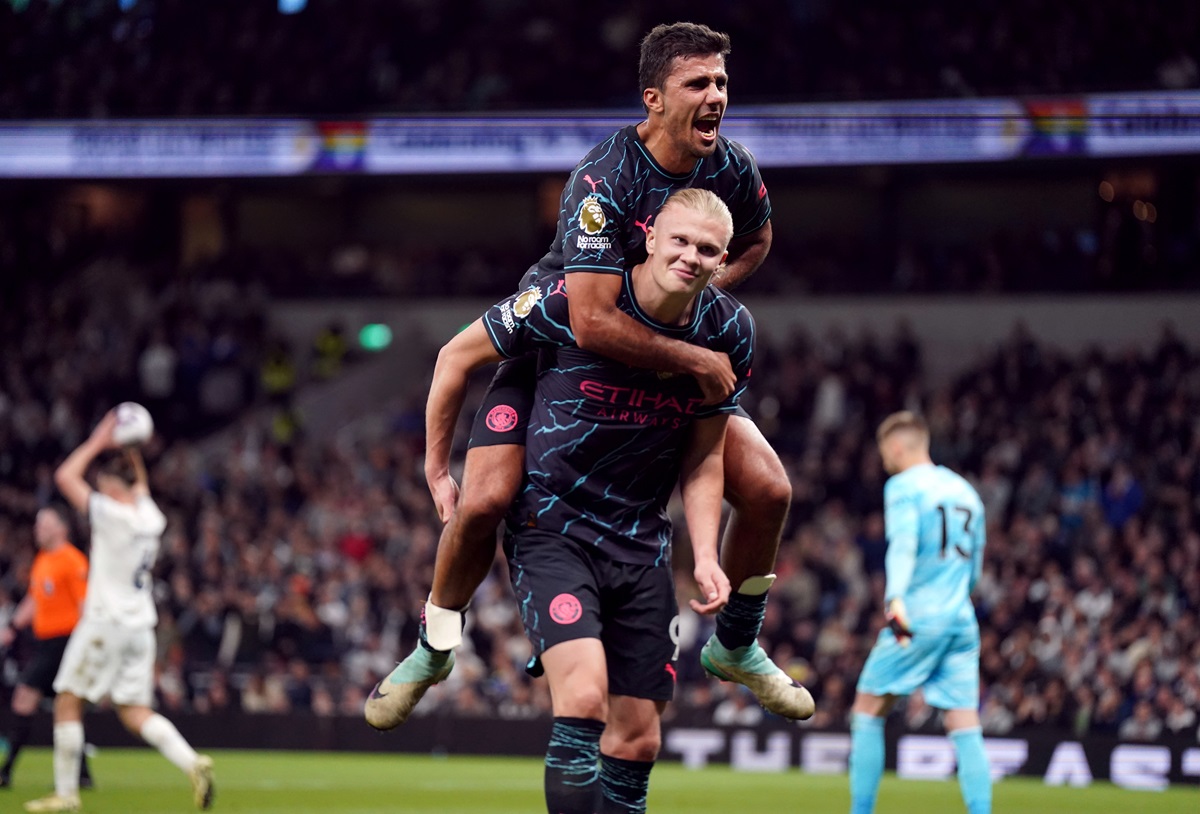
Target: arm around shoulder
<point>596,321</point>
<point>601,327</point>
<point>746,254</point>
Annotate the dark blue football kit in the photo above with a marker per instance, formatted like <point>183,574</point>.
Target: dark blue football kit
<point>589,536</point>
<point>608,203</point>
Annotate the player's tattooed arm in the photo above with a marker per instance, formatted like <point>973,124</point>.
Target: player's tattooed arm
<point>468,351</point>
<point>746,254</point>
<point>702,485</point>
<point>601,327</point>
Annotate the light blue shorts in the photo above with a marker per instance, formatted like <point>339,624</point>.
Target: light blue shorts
<point>946,665</point>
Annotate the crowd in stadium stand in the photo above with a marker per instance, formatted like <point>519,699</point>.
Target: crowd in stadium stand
<point>292,571</point>
<point>90,58</point>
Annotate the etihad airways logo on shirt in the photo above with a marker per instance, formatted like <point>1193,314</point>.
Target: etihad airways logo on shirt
<point>637,398</point>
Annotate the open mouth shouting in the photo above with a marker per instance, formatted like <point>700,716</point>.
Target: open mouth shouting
<point>706,126</point>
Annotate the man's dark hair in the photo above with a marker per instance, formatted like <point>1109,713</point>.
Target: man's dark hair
<point>117,465</point>
<point>666,42</point>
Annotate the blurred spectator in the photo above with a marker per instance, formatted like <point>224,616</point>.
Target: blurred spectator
<point>738,709</point>
<point>329,352</point>
<point>156,371</point>
<point>1180,718</point>
<point>1143,725</point>
<point>995,717</point>
<point>216,697</point>
<point>1122,496</point>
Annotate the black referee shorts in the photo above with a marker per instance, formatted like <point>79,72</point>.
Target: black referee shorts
<point>39,673</point>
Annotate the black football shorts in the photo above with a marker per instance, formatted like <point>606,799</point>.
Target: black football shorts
<point>567,590</point>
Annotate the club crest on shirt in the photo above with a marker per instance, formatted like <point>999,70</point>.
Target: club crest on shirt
<point>591,216</point>
<point>525,302</point>
<point>566,609</point>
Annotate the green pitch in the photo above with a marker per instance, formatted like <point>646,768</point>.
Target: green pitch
<point>131,781</point>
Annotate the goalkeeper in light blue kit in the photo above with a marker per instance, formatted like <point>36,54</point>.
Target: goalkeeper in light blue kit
<point>935,533</point>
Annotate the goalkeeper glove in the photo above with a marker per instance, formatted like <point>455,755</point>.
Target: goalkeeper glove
<point>897,619</point>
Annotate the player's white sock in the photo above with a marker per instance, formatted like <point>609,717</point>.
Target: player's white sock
<point>68,751</point>
<point>163,736</point>
<point>443,626</point>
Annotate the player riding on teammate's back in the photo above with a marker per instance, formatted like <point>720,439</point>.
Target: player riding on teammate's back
<point>608,204</point>
<point>589,537</point>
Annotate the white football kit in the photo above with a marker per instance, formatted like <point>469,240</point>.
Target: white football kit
<point>111,652</point>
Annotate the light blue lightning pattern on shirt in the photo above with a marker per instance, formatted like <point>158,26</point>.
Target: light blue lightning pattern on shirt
<point>630,187</point>
<point>606,441</point>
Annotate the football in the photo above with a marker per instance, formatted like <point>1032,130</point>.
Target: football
<point>134,424</point>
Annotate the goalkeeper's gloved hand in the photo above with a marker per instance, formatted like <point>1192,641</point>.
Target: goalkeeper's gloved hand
<point>897,619</point>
